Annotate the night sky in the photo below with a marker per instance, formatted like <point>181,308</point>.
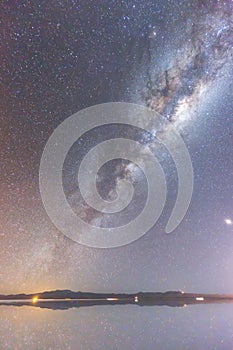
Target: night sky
<point>58,57</point>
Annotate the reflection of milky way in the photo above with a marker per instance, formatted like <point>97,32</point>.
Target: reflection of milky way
<point>176,90</point>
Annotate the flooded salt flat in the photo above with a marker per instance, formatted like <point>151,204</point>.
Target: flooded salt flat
<point>118,327</point>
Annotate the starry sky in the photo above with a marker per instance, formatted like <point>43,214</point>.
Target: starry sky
<point>58,57</point>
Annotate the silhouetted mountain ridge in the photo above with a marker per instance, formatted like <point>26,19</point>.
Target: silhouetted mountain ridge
<point>66,299</point>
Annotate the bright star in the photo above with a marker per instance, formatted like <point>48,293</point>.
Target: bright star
<point>228,221</point>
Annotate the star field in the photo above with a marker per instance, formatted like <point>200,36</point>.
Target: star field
<point>59,57</point>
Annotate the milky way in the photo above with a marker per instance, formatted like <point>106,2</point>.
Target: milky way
<point>204,51</point>
<point>58,57</point>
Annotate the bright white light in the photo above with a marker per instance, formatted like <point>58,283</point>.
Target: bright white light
<point>228,221</point>
<point>199,298</point>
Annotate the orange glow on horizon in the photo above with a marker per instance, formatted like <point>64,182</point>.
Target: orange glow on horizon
<point>35,299</point>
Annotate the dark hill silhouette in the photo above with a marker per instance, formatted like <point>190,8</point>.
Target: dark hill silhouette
<point>66,299</point>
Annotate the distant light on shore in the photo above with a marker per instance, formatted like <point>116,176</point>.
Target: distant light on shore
<point>34,299</point>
